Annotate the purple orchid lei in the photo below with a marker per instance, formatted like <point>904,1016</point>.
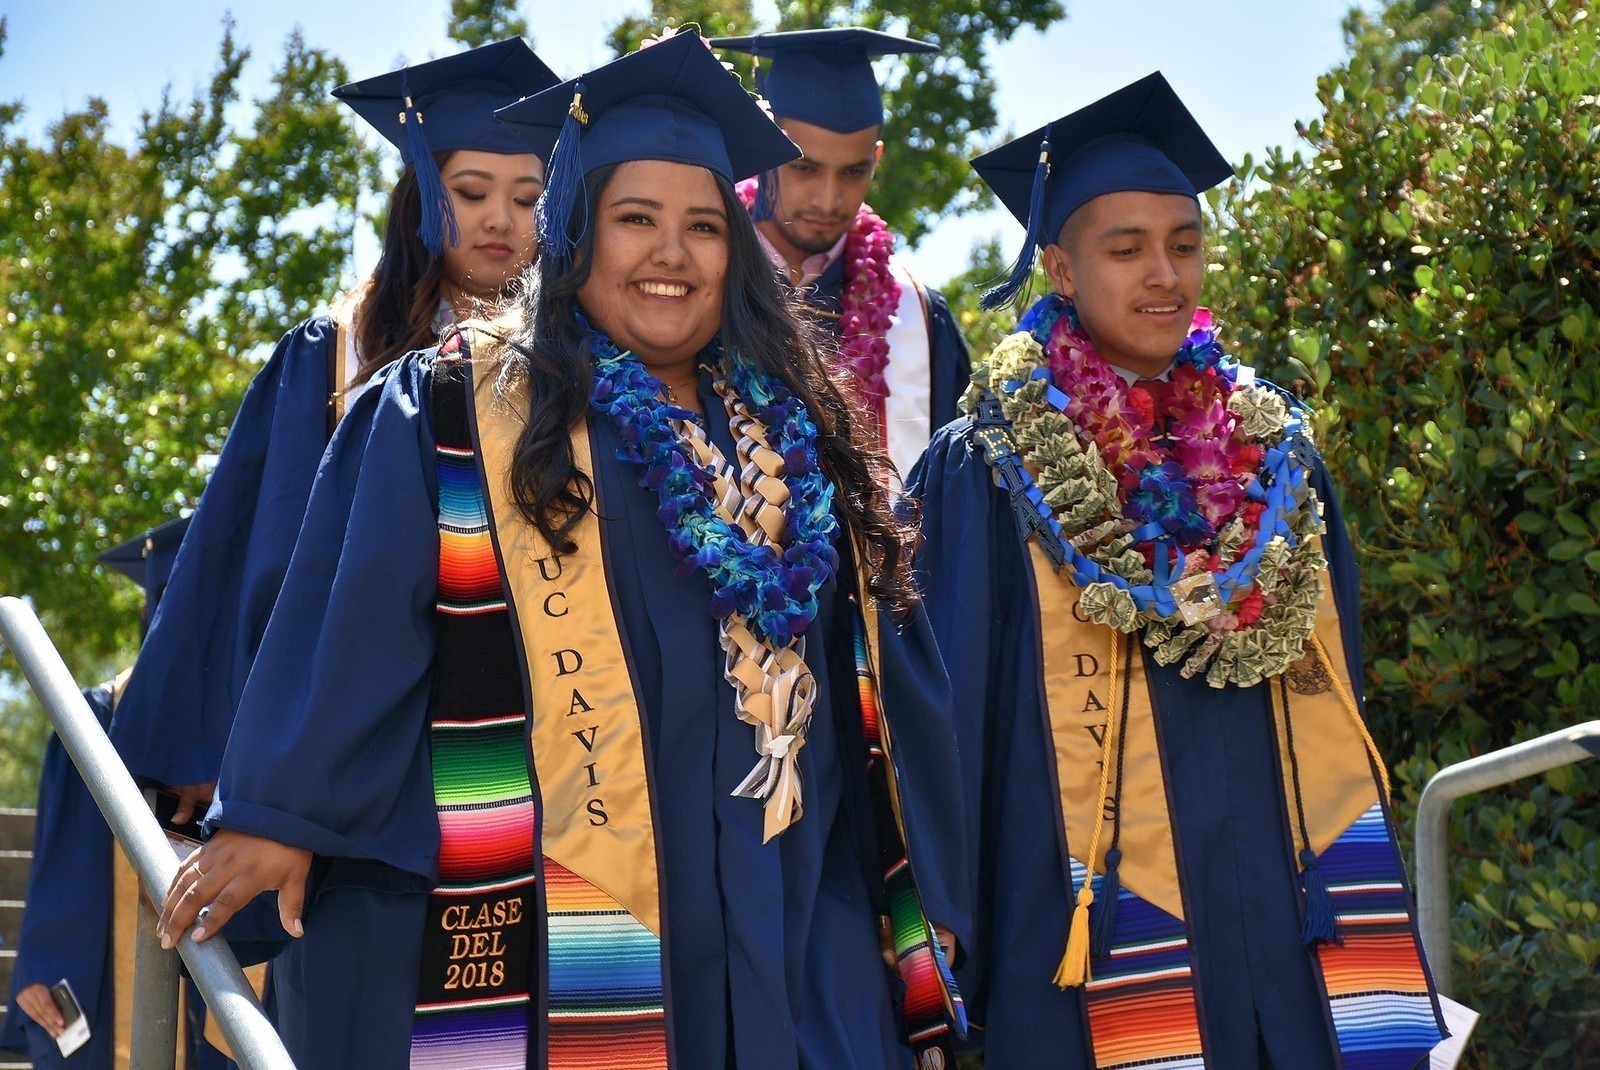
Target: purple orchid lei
<point>774,588</point>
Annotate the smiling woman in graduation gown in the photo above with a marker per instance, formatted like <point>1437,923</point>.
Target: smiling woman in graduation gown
<point>455,239</point>
<point>543,826</point>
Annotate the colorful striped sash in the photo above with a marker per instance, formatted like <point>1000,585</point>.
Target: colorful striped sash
<point>478,972</point>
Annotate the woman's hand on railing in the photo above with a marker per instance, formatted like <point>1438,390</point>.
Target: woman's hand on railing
<point>217,880</point>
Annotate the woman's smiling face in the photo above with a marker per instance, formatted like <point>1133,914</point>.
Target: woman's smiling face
<point>660,260</point>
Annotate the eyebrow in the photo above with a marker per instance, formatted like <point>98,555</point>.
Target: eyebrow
<point>865,161</point>
<point>486,176</point>
<point>1141,232</point>
<point>646,202</point>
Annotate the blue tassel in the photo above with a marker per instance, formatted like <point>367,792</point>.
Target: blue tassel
<point>1005,292</point>
<point>564,191</point>
<point>1103,919</point>
<point>766,205</point>
<point>1321,924</point>
<point>438,215</point>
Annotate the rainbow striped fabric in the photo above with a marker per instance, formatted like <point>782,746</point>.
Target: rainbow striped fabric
<point>605,980</point>
<point>488,929</point>
<point>1140,998</point>
<point>1377,986</point>
<point>1141,1001</point>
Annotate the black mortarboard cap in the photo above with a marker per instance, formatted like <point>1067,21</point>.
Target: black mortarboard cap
<point>1139,138</point>
<point>671,100</point>
<point>446,105</point>
<point>147,560</point>
<point>823,77</point>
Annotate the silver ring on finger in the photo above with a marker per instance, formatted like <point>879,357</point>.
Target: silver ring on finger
<point>201,917</point>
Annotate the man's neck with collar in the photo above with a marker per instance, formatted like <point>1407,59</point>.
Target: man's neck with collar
<point>1130,376</point>
<point>809,267</point>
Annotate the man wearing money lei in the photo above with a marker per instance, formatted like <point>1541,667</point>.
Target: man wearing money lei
<point>1147,602</point>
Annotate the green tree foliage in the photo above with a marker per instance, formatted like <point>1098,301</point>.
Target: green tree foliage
<point>139,286</point>
<point>941,106</point>
<point>1429,274</point>
<point>480,22</point>
<point>1392,38</point>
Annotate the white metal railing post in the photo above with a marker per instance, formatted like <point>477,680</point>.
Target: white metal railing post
<point>212,965</point>
<point>1486,771</point>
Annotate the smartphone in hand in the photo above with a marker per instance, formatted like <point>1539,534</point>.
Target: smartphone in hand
<point>76,1033</point>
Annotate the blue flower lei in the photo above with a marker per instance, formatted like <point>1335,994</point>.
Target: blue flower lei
<point>1280,483</point>
<point>774,589</point>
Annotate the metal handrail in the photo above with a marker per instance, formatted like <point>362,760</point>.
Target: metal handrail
<point>212,965</point>
<point>1486,771</point>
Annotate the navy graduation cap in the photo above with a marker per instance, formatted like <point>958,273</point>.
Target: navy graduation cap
<point>671,100</point>
<point>823,77</point>
<point>1139,138</point>
<point>147,560</point>
<point>445,105</point>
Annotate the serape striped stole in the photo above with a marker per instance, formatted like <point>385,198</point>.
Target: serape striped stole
<point>1140,999</point>
<point>512,935</point>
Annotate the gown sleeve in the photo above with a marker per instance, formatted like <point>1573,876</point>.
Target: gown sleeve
<point>965,563</point>
<point>330,751</point>
<point>173,720</point>
<point>950,364</point>
<point>916,696</point>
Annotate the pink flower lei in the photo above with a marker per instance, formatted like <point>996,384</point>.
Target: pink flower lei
<point>871,296</point>
<point>1206,451</point>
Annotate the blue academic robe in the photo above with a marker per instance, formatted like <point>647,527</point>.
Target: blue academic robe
<point>1260,1004</point>
<point>178,705</point>
<point>771,954</point>
<point>949,366</point>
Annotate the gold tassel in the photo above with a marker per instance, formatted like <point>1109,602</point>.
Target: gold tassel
<point>1074,968</point>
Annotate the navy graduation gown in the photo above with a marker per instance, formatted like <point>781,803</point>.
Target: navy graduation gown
<point>1260,1005</point>
<point>949,366</point>
<point>771,952</point>
<point>178,705</point>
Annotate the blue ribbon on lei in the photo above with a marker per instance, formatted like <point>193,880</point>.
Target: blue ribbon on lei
<point>774,588</point>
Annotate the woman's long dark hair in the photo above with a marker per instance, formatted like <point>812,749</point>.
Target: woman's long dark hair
<point>762,322</point>
<point>395,314</point>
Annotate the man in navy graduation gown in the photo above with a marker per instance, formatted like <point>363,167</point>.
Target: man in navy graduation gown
<point>824,94</point>
<point>1138,160</point>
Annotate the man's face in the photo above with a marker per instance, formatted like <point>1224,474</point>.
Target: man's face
<point>820,193</point>
<point>1132,263</point>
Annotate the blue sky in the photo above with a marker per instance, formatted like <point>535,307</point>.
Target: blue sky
<point>1246,68</point>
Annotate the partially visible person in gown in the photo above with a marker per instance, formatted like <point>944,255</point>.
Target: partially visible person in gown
<point>904,353</point>
<point>597,723</point>
<point>81,904</point>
